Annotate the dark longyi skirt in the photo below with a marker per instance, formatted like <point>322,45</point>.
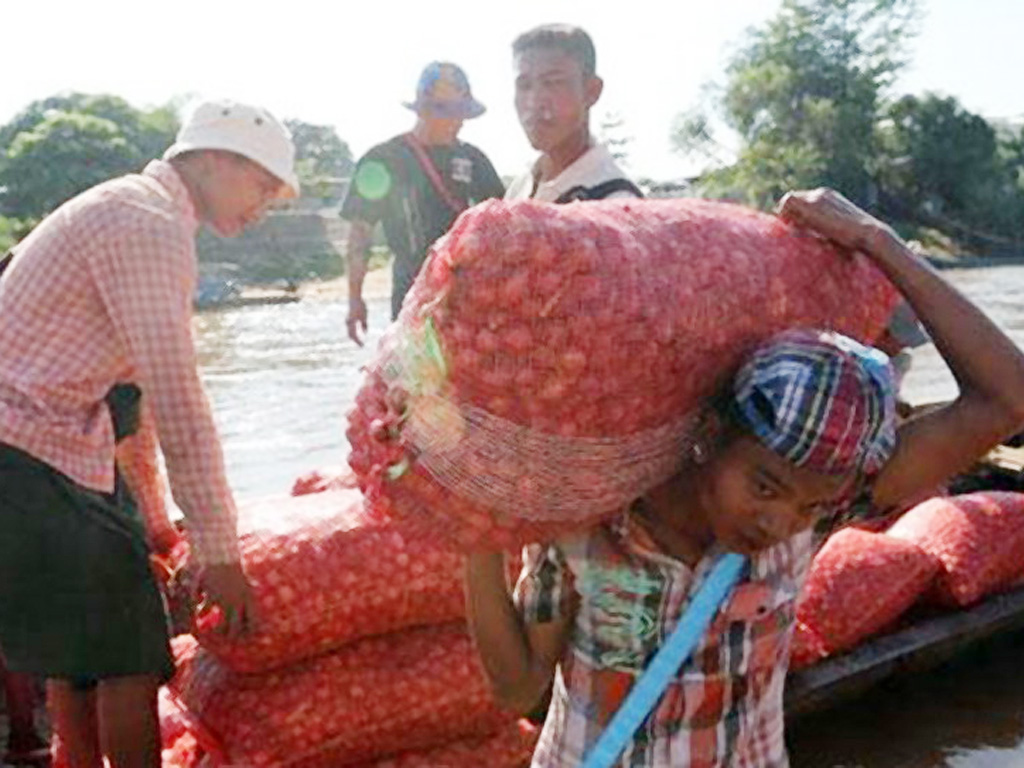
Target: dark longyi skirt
<point>77,597</point>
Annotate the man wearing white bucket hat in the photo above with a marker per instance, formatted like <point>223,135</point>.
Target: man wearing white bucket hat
<point>98,296</point>
<point>234,159</point>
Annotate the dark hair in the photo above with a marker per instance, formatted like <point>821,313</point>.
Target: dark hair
<point>566,38</point>
<point>720,422</point>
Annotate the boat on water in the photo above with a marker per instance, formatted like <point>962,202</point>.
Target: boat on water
<point>218,289</point>
<point>922,643</point>
<point>926,637</point>
<point>248,300</point>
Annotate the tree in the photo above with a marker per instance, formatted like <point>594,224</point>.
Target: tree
<point>1010,139</point>
<point>692,134</point>
<point>804,95</point>
<point>11,230</point>
<point>64,154</point>
<point>937,154</point>
<point>60,146</point>
<point>946,164</point>
<point>152,132</point>
<point>320,153</point>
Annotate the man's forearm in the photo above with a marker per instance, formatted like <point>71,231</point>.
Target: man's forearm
<point>137,462</point>
<point>358,255</point>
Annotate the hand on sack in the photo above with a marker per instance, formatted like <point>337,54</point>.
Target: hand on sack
<point>832,216</point>
<point>224,587</point>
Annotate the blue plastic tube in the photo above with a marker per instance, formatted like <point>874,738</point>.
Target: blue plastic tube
<point>717,586</point>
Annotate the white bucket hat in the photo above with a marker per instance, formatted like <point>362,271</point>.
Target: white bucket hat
<point>245,130</point>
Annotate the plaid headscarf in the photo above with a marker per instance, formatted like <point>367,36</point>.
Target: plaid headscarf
<point>820,400</point>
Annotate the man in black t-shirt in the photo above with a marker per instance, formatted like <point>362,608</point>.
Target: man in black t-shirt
<point>416,184</point>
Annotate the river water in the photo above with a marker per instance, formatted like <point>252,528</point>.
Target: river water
<point>281,378</point>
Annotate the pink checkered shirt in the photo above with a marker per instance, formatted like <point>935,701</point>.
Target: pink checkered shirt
<point>100,293</point>
<point>724,707</point>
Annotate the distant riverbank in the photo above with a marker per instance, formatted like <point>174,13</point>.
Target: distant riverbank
<point>378,281</point>
<point>975,262</point>
<point>377,285</point>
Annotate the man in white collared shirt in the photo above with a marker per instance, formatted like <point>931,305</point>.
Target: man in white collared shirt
<point>556,86</point>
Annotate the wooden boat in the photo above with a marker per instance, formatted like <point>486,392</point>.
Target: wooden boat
<point>245,300</point>
<point>924,644</point>
<point>925,638</point>
<point>218,288</point>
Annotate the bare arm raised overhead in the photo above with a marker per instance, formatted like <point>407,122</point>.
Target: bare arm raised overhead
<point>987,365</point>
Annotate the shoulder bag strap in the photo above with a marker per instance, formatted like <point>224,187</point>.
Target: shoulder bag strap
<point>432,174</point>
<point>644,695</point>
<point>599,191</point>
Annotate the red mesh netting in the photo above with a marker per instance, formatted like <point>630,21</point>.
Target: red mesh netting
<point>320,480</point>
<point>323,574</point>
<point>407,691</point>
<point>547,364</point>
<point>859,583</point>
<point>978,538</point>
<point>511,747</point>
<point>806,649</point>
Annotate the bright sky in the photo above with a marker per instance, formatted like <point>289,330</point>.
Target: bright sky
<point>350,63</point>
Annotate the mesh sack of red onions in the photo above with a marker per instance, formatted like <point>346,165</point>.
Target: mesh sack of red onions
<point>548,363</point>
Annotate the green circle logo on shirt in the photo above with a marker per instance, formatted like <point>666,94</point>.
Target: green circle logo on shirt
<point>373,180</point>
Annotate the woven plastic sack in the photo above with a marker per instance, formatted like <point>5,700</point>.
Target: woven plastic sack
<point>511,747</point>
<point>547,364</point>
<point>173,724</point>
<point>977,537</point>
<point>324,575</point>
<point>411,690</point>
<point>859,584</point>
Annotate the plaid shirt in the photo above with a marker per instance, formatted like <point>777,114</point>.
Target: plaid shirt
<point>100,293</point>
<point>724,708</point>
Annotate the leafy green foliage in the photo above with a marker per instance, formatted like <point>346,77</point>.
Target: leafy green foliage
<point>60,146</point>
<point>941,159</point>
<point>692,134</point>
<point>1010,158</point>
<point>64,154</point>
<point>320,154</point>
<point>804,94</point>
<point>808,96</point>
<point>11,231</point>
<point>951,168</point>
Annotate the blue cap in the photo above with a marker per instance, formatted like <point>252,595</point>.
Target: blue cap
<point>443,91</point>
